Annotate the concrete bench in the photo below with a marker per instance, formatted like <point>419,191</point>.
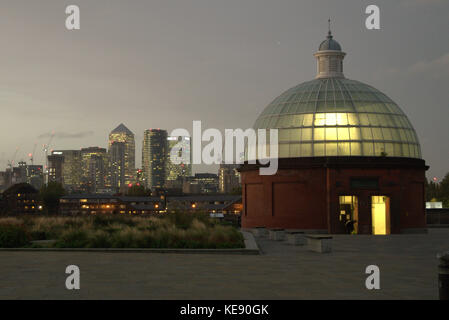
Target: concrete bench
<point>277,234</point>
<point>319,243</point>
<point>296,238</point>
<point>260,231</point>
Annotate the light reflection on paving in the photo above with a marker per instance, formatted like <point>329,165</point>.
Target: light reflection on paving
<point>408,267</point>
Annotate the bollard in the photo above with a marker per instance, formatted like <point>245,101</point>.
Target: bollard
<point>443,275</point>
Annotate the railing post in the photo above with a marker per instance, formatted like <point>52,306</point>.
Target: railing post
<point>443,275</point>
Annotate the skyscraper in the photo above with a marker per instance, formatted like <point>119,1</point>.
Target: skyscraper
<point>117,165</point>
<point>94,169</point>
<point>181,146</point>
<point>35,176</point>
<point>124,156</point>
<point>154,155</point>
<point>228,178</point>
<point>55,163</point>
<point>71,169</point>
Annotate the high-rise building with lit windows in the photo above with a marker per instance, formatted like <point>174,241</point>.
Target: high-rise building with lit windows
<point>94,169</point>
<point>180,147</point>
<point>117,176</point>
<point>228,178</point>
<point>55,167</point>
<point>126,174</point>
<point>154,158</point>
<point>71,169</point>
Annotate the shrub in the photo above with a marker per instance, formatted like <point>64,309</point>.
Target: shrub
<point>13,236</point>
<point>125,238</point>
<point>100,239</point>
<point>100,221</point>
<point>174,230</point>
<point>72,238</point>
<point>180,220</point>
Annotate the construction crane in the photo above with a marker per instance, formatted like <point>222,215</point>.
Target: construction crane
<point>31,155</point>
<point>46,149</point>
<point>13,159</point>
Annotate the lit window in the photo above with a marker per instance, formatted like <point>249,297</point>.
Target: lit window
<point>320,119</point>
<point>318,149</point>
<point>368,149</point>
<point>356,149</point>
<point>306,134</point>
<point>342,119</point>
<point>318,134</point>
<point>343,149</point>
<point>353,119</point>
<point>331,119</point>
<point>331,149</point>
<point>331,133</point>
<point>343,134</point>
<point>306,150</point>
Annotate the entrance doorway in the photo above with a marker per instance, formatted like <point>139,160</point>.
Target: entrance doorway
<point>380,215</point>
<point>349,213</point>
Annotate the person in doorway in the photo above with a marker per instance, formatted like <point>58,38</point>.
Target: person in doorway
<point>350,225</point>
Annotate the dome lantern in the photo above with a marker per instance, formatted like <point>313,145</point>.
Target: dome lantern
<point>329,58</point>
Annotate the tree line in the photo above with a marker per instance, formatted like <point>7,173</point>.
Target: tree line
<point>438,191</point>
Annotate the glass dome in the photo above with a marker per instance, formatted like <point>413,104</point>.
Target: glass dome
<point>339,117</point>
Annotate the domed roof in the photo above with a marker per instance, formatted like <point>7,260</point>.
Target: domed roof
<point>329,44</point>
<point>336,116</point>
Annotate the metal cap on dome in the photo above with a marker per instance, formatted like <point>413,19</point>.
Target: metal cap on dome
<point>329,57</point>
<point>329,43</point>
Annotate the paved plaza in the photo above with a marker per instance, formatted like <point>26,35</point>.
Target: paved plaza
<point>408,270</point>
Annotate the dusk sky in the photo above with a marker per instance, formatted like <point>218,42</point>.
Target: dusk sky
<point>165,63</point>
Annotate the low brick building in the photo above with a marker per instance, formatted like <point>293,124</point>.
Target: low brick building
<point>321,194</point>
<point>85,204</point>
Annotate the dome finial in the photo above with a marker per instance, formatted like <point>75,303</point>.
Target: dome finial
<point>329,57</point>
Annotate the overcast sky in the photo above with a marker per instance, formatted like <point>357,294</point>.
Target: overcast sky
<point>165,63</point>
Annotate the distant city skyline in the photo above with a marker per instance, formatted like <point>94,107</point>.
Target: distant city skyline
<point>220,62</point>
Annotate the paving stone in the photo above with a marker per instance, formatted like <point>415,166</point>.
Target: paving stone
<point>407,263</point>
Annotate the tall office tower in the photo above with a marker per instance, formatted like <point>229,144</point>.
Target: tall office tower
<point>94,169</point>
<point>35,176</point>
<point>20,173</point>
<point>154,155</point>
<point>55,164</point>
<point>117,177</point>
<point>181,147</point>
<point>228,178</point>
<point>124,135</point>
<point>71,169</point>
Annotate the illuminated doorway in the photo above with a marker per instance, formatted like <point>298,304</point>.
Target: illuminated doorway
<point>349,213</point>
<point>380,213</point>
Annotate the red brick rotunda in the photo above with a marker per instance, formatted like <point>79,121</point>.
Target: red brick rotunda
<point>348,155</point>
